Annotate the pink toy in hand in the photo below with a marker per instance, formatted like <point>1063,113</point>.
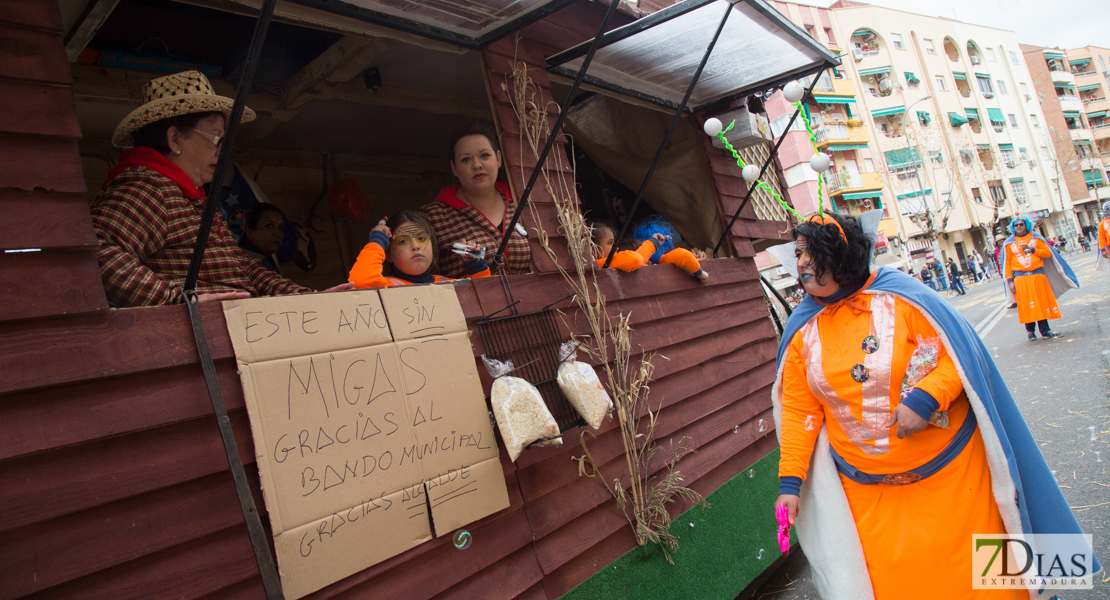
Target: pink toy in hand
<point>783,517</point>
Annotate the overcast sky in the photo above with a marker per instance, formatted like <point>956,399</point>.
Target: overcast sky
<point>1063,23</point>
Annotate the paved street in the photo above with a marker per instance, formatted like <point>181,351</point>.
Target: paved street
<point>1063,389</point>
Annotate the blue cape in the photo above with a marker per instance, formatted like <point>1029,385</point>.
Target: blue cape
<point>1041,503</point>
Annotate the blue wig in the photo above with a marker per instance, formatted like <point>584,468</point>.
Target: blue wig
<point>1028,224</point>
<point>651,226</point>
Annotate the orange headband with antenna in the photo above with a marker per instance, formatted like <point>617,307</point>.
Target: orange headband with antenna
<point>826,220</point>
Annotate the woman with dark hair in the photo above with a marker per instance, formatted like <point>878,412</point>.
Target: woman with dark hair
<point>897,432</point>
<point>147,215</point>
<point>478,207</point>
<point>263,234</point>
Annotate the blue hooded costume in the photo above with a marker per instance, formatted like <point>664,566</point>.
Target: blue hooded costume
<point>1028,497</point>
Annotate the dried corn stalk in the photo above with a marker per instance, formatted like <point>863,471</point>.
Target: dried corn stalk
<point>641,496</point>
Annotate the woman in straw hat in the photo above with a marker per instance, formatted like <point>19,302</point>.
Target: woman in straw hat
<point>147,215</point>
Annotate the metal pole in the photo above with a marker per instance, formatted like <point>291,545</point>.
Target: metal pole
<point>223,165</point>
<point>670,131</point>
<point>267,568</point>
<point>555,131</point>
<point>771,157</point>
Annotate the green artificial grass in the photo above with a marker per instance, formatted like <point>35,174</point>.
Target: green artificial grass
<point>722,548</point>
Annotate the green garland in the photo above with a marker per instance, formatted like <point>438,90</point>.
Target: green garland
<point>760,184</point>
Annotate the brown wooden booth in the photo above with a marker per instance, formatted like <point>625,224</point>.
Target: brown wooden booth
<point>115,483</point>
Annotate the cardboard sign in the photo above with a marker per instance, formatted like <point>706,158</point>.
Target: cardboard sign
<point>370,426</point>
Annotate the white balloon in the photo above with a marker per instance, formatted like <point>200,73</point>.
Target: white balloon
<point>713,126</point>
<point>793,91</point>
<point>820,162</point>
<point>750,173</point>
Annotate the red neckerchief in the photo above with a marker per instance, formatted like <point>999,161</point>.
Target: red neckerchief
<point>450,196</point>
<point>145,156</point>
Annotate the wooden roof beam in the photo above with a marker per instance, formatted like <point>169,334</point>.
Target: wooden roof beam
<point>94,15</point>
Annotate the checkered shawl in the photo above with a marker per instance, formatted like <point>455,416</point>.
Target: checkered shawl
<point>147,230</point>
<point>464,222</point>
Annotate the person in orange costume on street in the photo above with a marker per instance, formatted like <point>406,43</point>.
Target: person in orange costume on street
<point>1027,257</point>
<point>407,241</point>
<point>1102,262</point>
<point>629,260</point>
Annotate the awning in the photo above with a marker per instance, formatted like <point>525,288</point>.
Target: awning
<point>996,116</point>
<point>972,114</point>
<point>923,117</point>
<point>833,99</point>
<point>1097,115</point>
<point>1072,113</point>
<point>911,78</point>
<point>983,75</point>
<point>902,159</point>
<point>875,71</point>
<point>1005,146</point>
<point>913,194</point>
<point>863,195</point>
<point>959,76</point>
<point>1088,88</point>
<point>1016,180</point>
<point>983,146</point>
<point>956,119</point>
<point>1079,61</point>
<point>1052,54</point>
<point>468,23</point>
<point>885,112</point>
<point>966,155</point>
<point>654,58</point>
<point>843,147</point>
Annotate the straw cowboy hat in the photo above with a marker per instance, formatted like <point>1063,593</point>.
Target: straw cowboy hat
<point>174,95</point>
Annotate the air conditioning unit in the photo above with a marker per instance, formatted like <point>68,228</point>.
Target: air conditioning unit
<point>1032,163</point>
<point>988,95</point>
<point>1012,165</point>
<point>885,85</point>
<point>975,60</point>
<point>857,54</point>
<point>1028,97</point>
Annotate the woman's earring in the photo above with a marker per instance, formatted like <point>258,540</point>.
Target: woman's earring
<point>178,151</point>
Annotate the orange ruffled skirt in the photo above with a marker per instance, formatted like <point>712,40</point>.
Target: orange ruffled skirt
<point>1035,300</point>
<point>917,538</point>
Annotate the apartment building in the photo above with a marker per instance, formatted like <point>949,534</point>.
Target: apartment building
<point>950,109</point>
<point>1092,82</point>
<point>1067,129</point>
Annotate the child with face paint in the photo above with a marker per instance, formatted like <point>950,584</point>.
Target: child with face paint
<point>407,242</point>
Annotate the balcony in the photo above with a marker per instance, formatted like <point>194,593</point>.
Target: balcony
<point>1070,103</point>
<point>844,182</point>
<point>1095,105</point>
<point>1061,76</point>
<point>1084,73</point>
<point>834,133</point>
<point>1101,132</point>
<point>1081,135</point>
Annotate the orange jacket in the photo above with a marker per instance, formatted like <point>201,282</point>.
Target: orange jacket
<point>367,272</point>
<point>628,260</point>
<point>1035,261</point>
<point>1104,234</point>
<point>841,332</point>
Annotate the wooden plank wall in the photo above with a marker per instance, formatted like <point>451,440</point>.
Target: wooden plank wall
<point>115,481</point>
<point>42,190</point>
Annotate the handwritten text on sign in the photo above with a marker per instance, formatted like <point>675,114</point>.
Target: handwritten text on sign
<point>369,423</point>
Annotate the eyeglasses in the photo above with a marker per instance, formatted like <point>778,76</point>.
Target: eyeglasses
<point>216,140</point>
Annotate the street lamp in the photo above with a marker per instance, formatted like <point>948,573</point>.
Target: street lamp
<point>917,169</point>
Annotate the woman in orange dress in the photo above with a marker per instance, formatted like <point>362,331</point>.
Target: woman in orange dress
<point>1025,277</point>
<point>866,379</point>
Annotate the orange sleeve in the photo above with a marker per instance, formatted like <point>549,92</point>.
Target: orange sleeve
<point>485,273</point>
<point>942,383</point>
<point>367,272</point>
<point>645,250</point>
<point>625,260</point>
<point>1041,249</point>
<point>1102,236</point>
<point>1008,260</point>
<point>682,258</point>
<point>799,405</point>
